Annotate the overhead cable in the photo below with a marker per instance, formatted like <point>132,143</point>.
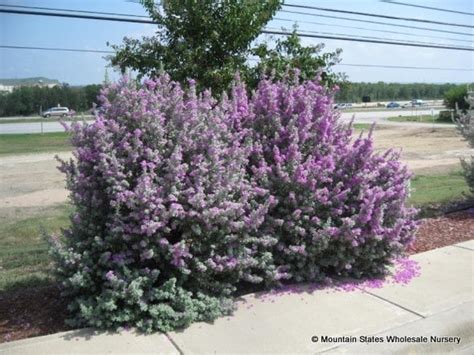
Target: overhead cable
<point>345,38</point>
<point>377,22</point>
<point>410,19</point>
<point>428,7</point>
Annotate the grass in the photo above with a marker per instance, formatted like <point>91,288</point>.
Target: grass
<point>39,119</point>
<point>24,258</point>
<point>437,190</point>
<point>361,126</point>
<point>420,118</point>
<point>34,143</point>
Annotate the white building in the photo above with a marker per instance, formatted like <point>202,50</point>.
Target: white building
<point>7,85</point>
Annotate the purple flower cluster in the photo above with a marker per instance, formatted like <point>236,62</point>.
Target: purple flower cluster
<point>340,207</point>
<point>180,198</point>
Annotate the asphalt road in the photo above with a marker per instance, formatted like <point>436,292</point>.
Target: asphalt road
<point>31,127</point>
<point>379,117</point>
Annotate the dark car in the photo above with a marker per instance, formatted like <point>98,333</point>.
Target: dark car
<point>393,105</point>
<point>343,106</point>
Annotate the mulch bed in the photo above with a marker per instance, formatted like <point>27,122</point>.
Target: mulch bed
<point>30,312</point>
<point>442,231</point>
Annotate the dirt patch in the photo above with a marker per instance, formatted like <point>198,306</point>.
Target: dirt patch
<point>424,150</point>
<point>37,198</point>
<point>31,180</point>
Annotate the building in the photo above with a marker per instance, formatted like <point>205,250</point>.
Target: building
<point>8,85</point>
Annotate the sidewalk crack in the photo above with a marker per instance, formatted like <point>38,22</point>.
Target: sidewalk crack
<point>462,247</point>
<point>393,303</point>
<point>174,344</point>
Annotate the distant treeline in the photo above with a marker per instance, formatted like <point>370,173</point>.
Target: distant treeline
<point>354,92</point>
<point>29,100</point>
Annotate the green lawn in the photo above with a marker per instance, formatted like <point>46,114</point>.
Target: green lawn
<point>361,126</point>
<point>24,258</point>
<point>420,118</point>
<point>432,190</point>
<point>34,143</point>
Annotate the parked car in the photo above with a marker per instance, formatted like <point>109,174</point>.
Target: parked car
<point>343,106</point>
<point>414,103</point>
<point>56,112</point>
<point>97,110</point>
<point>417,102</point>
<point>393,105</point>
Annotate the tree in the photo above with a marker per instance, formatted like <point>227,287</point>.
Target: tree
<point>208,40</point>
<point>456,95</point>
<point>27,100</point>
<point>465,125</point>
<point>289,53</point>
<point>380,91</point>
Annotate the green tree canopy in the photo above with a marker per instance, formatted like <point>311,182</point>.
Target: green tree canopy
<point>28,100</point>
<point>290,53</point>
<point>456,95</point>
<point>208,40</point>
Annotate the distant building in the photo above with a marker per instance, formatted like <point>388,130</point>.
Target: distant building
<point>8,85</point>
<point>6,88</point>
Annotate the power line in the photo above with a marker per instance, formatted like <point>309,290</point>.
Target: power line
<point>371,29</point>
<point>286,11</point>
<point>401,67</point>
<point>85,17</point>
<point>138,2</point>
<point>387,66</point>
<point>58,49</point>
<point>428,7</point>
<point>347,38</point>
<point>251,59</point>
<point>366,37</point>
<point>370,41</point>
<point>378,15</point>
<point>377,22</point>
<point>71,10</point>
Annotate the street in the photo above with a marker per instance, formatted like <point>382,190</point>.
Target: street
<point>359,117</point>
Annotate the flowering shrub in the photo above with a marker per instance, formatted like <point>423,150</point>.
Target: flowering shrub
<point>163,208</point>
<point>340,207</point>
<point>180,198</point>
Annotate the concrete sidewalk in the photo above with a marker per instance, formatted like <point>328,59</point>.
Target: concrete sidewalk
<point>432,314</point>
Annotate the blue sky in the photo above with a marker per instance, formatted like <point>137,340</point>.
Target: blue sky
<point>86,68</point>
